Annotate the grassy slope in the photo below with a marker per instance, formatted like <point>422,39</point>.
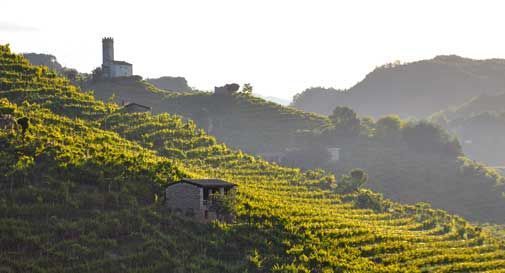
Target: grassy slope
<point>63,215</point>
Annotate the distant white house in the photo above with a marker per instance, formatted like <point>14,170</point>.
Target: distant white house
<point>110,67</point>
<point>334,153</point>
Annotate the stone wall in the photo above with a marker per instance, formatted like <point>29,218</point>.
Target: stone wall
<point>119,70</point>
<point>184,197</point>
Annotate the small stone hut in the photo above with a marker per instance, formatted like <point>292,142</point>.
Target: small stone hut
<point>191,197</point>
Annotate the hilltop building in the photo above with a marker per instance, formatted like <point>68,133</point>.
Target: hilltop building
<point>334,153</point>
<point>110,67</point>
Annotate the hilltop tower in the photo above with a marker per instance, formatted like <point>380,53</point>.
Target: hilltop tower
<point>110,67</point>
<point>108,50</point>
<point>107,56</point>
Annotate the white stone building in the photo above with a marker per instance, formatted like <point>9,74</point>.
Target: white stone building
<point>110,67</point>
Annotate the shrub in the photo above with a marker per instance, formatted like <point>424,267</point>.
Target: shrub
<point>366,199</point>
<point>352,182</point>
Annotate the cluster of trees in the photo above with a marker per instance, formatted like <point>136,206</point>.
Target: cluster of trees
<point>346,128</point>
<point>233,88</point>
<point>409,161</point>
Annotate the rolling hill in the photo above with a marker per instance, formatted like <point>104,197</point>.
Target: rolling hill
<point>79,195</point>
<point>263,128</point>
<point>416,89</point>
<point>480,124</point>
<point>242,121</point>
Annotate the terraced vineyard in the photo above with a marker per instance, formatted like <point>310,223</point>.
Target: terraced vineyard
<point>79,193</point>
<point>332,229</point>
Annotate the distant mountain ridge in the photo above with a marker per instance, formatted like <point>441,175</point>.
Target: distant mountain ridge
<point>415,89</point>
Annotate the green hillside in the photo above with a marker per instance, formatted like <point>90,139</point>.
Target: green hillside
<point>242,121</point>
<point>397,168</point>
<point>80,193</point>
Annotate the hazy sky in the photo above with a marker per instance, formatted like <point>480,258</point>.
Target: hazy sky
<point>280,47</point>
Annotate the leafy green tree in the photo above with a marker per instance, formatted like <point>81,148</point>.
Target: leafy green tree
<point>247,89</point>
<point>367,127</point>
<point>428,137</point>
<point>389,128</point>
<point>345,121</point>
<point>96,74</point>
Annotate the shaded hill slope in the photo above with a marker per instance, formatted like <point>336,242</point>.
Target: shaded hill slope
<point>475,106</point>
<point>415,89</point>
<point>242,121</point>
<point>101,214</point>
<point>125,90</point>
<point>480,124</point>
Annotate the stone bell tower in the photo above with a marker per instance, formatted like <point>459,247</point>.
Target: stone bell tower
<point>108,56</point>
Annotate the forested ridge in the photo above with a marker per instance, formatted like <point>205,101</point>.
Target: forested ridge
<point>416,89</point>
<point>81,193</point>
